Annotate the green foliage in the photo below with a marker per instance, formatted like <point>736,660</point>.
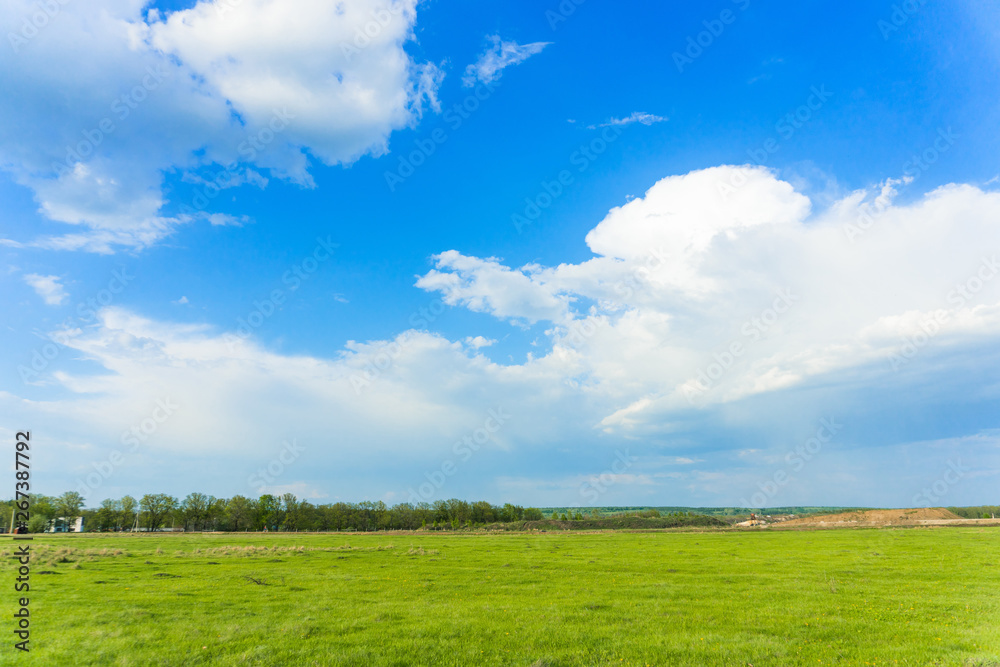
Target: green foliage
<point>200,512</point>
<point>978,512</point>
<point>38,523</point>
<point>155,508</point>
<point>69,505</point>
<point>532,514</point>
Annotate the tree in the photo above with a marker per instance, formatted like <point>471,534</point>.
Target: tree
<point>216,512</point>
<point>240,511</point>
<point>291,505</point>
<point>510,513</point>
<point>482,512</point>
<point>380,515</point>
<point>308,516</point>
<point>106,517</point>
<point>68,506</point>
<point>156,507</point>
<point>268,511</point>
<point>127,507</point>
<point>37,523</point>
<point>194,510</point>
<point>43,508</point>
<point>440,511</point>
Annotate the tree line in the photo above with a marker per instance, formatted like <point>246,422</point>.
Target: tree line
<point>46,509</point>
<point>977,512</point>
<point>201,512</point>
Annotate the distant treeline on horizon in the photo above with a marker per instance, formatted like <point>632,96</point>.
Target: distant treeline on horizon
<point>201,512</point>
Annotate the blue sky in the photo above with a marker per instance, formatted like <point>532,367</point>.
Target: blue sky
<point>814,186</point>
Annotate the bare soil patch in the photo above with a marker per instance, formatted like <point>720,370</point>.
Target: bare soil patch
<point>901,517</point>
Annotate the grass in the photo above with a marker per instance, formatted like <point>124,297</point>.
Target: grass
<point>847,597</point>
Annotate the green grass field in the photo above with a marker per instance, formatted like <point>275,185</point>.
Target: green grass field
<point>845,597</point>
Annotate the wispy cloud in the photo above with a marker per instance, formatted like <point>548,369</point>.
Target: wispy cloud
<point>502,54</point>
<point>47,287</point>
<point>636,117</point>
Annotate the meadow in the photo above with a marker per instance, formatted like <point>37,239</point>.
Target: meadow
<point>919,596</point>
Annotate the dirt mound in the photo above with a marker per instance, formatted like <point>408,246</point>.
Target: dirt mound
<point>879,517</point>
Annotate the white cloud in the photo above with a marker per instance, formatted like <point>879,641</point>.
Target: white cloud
<point>47,287</point>
<point>502,54</point>
<point>636,117</point>
<point>262,86</point>
<point>733,256</point>
<point>485,285</point>
<point>477,342</point>
<point>236,402</point>
<point>701,262</point>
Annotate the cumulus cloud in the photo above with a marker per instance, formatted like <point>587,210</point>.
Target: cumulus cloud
<point>47,287</point>
<point>724,283</point>
<point>259,86</point>
<point>485,285</point>
<point>489,66</point>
